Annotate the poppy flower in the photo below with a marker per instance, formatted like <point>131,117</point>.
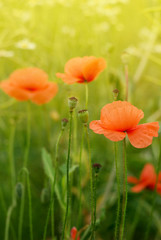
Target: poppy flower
<point>73,234</point>
<point>82,70</point>
<point>120,118</point>
<point>29,84</point>
<point>147,180</point>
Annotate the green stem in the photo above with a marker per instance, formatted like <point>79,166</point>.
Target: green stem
<point>118,191</point>
<point>95,200</point>
<point>86,86</point>
<point>30,207</point>
<point>91,178</point>
<point>80,176</point>
<point>22,205</point>
<point>53,184</point>
<point>124,203</point>
<point>68,180</point>
<point>154,196</point>
<point>13,181</point>
<point>46,224</point>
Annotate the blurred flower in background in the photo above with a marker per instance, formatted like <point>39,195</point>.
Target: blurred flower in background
<point>25,44</point>
<point>6,53</point>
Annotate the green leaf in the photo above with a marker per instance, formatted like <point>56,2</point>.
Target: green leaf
<point>47,163</point>
<point>63,168</point>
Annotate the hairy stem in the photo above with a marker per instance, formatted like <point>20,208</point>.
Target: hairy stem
<point>118,192</point>
<point>124,203</point>
<point>67,174</point>
<point>22,205</point>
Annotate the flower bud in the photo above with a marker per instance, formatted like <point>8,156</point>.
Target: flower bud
<point>64,122</point>
<point>97,167</point>
<point>125,58</point>
<point>83,115</point>
<point>72,103</point>
<point>45,195</point>
<point>115,94</point>
<point>19,190</point>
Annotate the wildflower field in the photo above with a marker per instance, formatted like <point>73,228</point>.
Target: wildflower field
<point>80,107</point>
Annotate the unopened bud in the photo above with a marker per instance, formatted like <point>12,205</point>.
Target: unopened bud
<point>72,103</point>
<point>64,122</point>
<point>19,190</point>
<point>45,195</point>
<point>83,115</point>
<point>97,167</point>
<point>115,94</point>
<point>125,58</point>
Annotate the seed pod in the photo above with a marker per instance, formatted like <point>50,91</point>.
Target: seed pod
<point>115,94</point>
<point>72,103</point>
<point>83,115</point>
<point>64,122</point>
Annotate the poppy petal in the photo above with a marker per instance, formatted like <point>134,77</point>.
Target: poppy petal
<point>138,188</point>
<point>74,67</point>
<point>32,78</point>
<point>131,179</point>
<point>159,188</point>
<point>18,93</point>
<point>93,67</point>
<point>115,136</point>
<point>148,174</point>
<point>142,135</point>
<point>120,116</point>
<point>67,78</point>
<point>44,95</point>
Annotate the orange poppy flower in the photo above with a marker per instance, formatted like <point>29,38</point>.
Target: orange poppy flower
<point>147,180</point>
<point>81,70</point>
<point>73,234</point>
<point>30,84</point>
<point>119,118</point>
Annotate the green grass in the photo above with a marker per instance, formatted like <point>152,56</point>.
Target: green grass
<point>62,30</point>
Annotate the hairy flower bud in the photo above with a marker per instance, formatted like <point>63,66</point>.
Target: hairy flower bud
<point>115,94</point>
<point>97,167</point>
<point>64,122</point>
<point>83,116</point>
<point>72,103</point>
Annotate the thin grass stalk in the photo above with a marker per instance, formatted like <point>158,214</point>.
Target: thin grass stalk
<point>118,191</point>
<point>13,181</point>
<point>68,180</point>
<point>80,176</point>
<point>124,203</point>
<point>95,204</point>
<point>91,178</point>
<point>53,184</point>
<point>22,205</point>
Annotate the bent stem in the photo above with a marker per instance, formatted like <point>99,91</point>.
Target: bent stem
<point>86,86</point>
<point>68,180</point>
<point>13,181</point>
<point>52,202</point>
<point>124,203</point>
<point>154,196</point>
<point>118,191</point>
<point>80,176</point>
<point>24,165</point>
<point>91,180</point>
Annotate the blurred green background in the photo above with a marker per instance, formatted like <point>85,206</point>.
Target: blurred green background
<point>45,34</point>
